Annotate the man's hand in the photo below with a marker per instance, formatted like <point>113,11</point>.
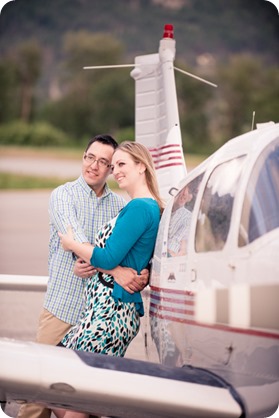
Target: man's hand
<point>83,269</point>
<point>129,279</point>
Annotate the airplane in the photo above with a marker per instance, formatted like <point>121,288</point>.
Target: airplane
<point>211,331</point>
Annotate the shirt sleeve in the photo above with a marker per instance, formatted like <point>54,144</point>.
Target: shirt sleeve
<point>62,213</point>
<point>131,223</point>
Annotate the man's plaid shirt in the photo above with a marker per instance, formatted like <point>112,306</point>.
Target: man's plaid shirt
<point>75,204</point>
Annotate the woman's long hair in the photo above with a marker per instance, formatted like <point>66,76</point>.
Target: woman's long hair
<point>140,154</point>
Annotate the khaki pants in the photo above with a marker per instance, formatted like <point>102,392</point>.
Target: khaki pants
<point>51,330</point>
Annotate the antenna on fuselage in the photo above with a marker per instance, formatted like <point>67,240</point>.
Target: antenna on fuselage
<point>253,120</point>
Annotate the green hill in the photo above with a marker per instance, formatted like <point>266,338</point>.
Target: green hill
<point>44,46</point>
<point>219,27</point>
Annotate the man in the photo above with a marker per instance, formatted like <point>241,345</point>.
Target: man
<point>179,224</point>
<point>85,204</point>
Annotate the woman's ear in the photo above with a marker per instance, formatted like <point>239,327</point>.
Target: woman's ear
<point>142,168</point>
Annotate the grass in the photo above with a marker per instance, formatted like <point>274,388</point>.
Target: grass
<point>49,152</point>
<point>10,181</point>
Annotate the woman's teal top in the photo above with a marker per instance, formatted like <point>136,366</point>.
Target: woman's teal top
<point>131,243</point>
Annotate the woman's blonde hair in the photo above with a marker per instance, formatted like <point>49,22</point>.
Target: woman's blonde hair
<point>140,154</point>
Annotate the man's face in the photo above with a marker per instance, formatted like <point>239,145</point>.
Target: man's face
<point>184,196</point>
<point>96,165</point>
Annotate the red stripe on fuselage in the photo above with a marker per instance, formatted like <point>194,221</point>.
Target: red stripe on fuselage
<point>175,310</point>
<point>162,156</point>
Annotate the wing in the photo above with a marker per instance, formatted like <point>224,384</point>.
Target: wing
<point>106,385</point>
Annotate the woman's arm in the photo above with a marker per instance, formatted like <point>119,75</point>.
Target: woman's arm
<point>83,250</point>
<point>125,235</point>
<point>126,277</point>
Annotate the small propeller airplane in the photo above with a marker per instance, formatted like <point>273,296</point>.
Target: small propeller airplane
<point>211,331</point>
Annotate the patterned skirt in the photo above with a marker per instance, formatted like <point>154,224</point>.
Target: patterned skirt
<point>106,326</point>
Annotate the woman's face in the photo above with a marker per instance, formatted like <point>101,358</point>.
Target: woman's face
<point>125,171</point>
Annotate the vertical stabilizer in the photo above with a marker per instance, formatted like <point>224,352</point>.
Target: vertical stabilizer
<point>157,123</point>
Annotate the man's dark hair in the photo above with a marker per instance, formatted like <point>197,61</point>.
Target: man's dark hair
<point>104,139</point>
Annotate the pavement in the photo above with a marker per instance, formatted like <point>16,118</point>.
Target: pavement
<point>41,166</point>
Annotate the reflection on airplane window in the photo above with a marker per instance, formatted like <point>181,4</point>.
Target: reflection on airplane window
<point>180,222</point>
<point>216,206</point>
<point>260,212</point>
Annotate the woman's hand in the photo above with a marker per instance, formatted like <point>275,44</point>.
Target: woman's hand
<point>67,240</point>
<point>83,250</point>
<point>129,279</point>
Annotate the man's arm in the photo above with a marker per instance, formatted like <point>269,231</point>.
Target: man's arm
<point>124,276</point>
<point>62,213</point>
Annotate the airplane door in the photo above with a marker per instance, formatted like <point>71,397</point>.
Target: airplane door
<point>171,302</point>
<point>210,252</point>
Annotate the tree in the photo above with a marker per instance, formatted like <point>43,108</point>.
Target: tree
<point>193,99</point>
<point>93,100</point>
<point>9,100</point>
<point>28,58</point>
<point>247,85</point>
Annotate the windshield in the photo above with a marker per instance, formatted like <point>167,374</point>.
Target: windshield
<point>216,206</point>
<point>260,212</point>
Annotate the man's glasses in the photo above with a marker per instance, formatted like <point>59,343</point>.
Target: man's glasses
<point>101,162</point>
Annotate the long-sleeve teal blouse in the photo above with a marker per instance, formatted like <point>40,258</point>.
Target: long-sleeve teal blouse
<point>131,243</point>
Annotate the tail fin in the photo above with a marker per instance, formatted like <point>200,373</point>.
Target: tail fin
<point>156,112</point>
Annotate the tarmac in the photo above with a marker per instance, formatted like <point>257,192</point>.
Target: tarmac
<point>24,234</point>
<point>41,166</point>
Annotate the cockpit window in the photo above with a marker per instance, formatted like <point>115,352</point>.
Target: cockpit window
<point>180,219</point>
<point>260,212</point>
<point>216,206</point>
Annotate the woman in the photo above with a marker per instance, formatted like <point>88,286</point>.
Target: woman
<point>111,317</point>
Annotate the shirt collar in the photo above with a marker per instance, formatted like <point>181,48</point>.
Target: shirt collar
<point>88,189</point>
